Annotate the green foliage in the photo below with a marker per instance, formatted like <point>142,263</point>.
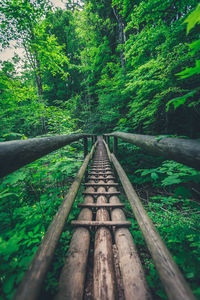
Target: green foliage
<point>191,20</point>
<point>29,199</point>
<point>176,102</point>
<point>111,65</point>
<point>171,173</point>
<point>177,220</point>
<point>49,52</point>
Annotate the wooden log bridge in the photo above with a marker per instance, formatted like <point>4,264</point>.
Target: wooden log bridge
<point>102,212</point>
<point>101,232</point>
<point>101,236</point>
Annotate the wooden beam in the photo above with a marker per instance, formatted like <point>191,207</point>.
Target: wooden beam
<point>104,285</point>
<point>85,144</point>
<point>134,282</point>
<point>96,205</point>
<point>102,169</point>
<point>185,151</point>
<point>16,154</point>
<point>101,223</point>
<point>98,193</point>
<point>100,184</point>
<point>101,178</point>
<point>102,174</point>
<point>115,145</point>
<point>72,278</point>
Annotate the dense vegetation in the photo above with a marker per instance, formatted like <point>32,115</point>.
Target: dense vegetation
<point>96,67</point>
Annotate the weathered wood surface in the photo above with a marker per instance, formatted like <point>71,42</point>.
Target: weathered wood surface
<point>102,169</point>
<point>185,151</point>
<point>134,282</point>
<point>72,278</point>
<point>15,154</point>
<point>101,184</point>
<point>115,146</point>
<point>102,178</point>
<point>96,205</point>
<point>101,223</point>
<point>100,174</point>
<point>101,164</point>
<point>32,281</point>
<point>98,193</point>
<point>85,146</point>
<point>170,275</point>
<point>103,274</point>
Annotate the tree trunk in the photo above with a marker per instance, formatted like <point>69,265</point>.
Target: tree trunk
<point>121,35</point>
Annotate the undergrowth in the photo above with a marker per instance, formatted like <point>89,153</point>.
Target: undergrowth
<point>30,197</point>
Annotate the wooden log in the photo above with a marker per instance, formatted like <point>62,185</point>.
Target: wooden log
<point>115,145</point>
<point>101,223</point>
<point>32,281</point>
<point>100,184</point>
<point>102,178</point>
<point>103,274</point>
<point>96,205</point>
<point>185,151</point>
<point>85,144</point>
<point>72,279</point>
<point>108,142</point>
<point>102,174</point>
<point>102,162</point>
<point>103,169</point>
<point>15,154</point>
<point>101,193</point>
<point>170,275</point>
<point>134,282</point>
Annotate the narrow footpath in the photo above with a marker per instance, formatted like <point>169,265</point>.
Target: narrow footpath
<point>102,238</point>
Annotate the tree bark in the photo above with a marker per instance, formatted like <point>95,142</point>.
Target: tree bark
<point>121,35</point>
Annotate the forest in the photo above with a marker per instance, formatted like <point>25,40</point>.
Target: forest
<point>96,67</point>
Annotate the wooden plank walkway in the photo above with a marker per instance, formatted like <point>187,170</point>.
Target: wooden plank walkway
<point>109,224</point>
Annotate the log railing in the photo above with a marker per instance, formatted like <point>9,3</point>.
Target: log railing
<point>16,154</point>
<point>185,151</point>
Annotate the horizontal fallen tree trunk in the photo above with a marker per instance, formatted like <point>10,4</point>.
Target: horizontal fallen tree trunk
<point>185,151</point>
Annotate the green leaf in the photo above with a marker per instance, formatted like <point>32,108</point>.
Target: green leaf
<point>171,180</point>
<point>194,46</point>
<point>15,177</point>
<point>188,72</point>
<point>3,195</point>
<point>176,102</point>
<point>193,18</point>
<point>190,275</point>
<point>154,176</point>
